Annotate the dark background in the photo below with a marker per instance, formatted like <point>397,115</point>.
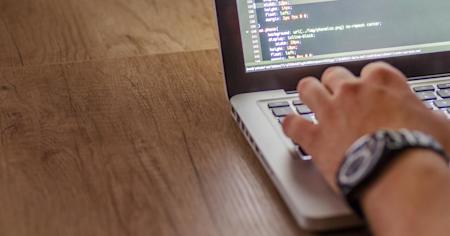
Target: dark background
<point>404,22</point>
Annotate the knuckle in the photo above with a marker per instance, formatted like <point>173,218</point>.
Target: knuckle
<point>305,83</point>
<point>378,71</point>
<point>377,65</point>
<point>350,88</point>
<point>333,72</point>
<point>383,74</point>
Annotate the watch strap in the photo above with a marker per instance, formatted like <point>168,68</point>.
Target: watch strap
<point>395,142</point>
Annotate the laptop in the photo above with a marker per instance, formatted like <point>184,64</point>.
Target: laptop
<point>268,45</point>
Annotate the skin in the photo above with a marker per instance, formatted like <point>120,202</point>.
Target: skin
<point>347,108</point>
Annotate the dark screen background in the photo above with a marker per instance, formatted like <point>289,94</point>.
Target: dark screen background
<point>404,22</point>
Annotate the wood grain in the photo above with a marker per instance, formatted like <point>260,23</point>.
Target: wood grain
<point>53,31</point>
<point>138,146</point>
<point>9,53</point>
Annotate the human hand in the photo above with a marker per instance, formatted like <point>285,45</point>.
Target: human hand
<point>348,108</point>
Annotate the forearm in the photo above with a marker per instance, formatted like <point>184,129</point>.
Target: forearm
<point>412,197</point>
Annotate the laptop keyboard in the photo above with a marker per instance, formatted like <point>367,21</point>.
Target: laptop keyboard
<point>281,109</point>
<point>435,97</point>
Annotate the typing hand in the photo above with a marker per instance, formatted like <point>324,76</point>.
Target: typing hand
<point>347,108</point>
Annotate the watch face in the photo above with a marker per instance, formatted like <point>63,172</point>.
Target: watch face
<point>359,163</point>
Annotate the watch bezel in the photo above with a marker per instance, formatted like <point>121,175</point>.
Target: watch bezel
<point>370,157</point>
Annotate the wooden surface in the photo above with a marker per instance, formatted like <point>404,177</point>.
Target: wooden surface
<point>9,55</point>
<point>53,31</point>
<point>101,134</point>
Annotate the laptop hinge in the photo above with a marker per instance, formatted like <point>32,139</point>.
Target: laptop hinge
<point>428,77</point>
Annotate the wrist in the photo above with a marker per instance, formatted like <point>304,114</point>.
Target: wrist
<point>366,160</point>
<point>420,165</point>
<point>405,188</point>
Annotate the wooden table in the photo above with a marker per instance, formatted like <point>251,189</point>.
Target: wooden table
<point>114,121</point>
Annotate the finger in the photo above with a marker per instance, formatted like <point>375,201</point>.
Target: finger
<point>383,74</point>
<point>314,94</point>
<point>334,77</point>
<point>300,130</point>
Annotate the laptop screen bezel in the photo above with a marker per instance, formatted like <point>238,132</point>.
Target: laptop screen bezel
<point>238,81</point>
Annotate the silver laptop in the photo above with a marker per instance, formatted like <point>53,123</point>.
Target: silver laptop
<point>268,45</point>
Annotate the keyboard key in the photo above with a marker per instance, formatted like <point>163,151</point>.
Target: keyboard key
<point>444,93</point>
<point>423,88</point>
<point>309,117</point>
<point>443,86</point>
<point>448,110</point>
<point>281,111</point>
<point>303,109</point>
<point>278,104</point>
<point>442,103</point>
<point>428,95</point>
<point>297,102</point>
<point>429,105</point>
<point>281,120</point>
<point>441,112</point>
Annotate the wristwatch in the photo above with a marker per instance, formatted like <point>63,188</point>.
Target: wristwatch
<point>370,154</point>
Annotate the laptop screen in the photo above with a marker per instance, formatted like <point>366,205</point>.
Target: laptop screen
<point>278,34</point>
